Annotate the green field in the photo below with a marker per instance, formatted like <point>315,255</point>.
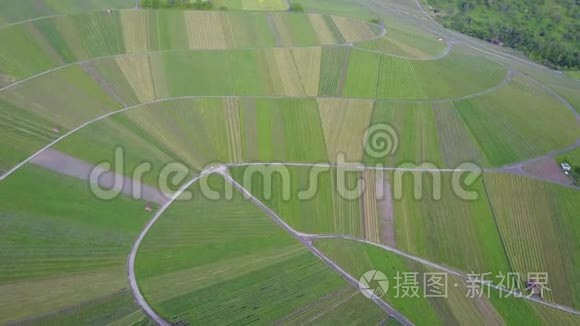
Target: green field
<point>538,226</point>
<point>66,248</point>
<point>217,260</point>
<point>72,38</point>
<point>407,43</point>
<point>509,124</point>
<point>14,12</point>
<point>280,100</point>
<point>456,307</point>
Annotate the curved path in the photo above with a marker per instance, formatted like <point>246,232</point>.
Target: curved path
<point>434,58</point>
<point>442,268</point>
<point>140,53</point>
<point>475,44</point>
<point>140,300</point>
<point>299,236</point>
<point>306,240</point>
<point>506,81</point>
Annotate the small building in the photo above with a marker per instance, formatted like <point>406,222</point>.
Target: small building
<point>566,167</point>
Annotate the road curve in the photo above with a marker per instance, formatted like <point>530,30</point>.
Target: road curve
<point>303,238</point>
<point>441,268</point>
<point>506,81</point>
<point>139,299</point>
<point>142,303</point>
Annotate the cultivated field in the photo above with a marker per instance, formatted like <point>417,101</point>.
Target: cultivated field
<point>358,258</point>
<point>254,85</point>
<point>66,250</point>
<point>215,261</point>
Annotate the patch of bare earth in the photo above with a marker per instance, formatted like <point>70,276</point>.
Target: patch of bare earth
<point>546,168</point>
<point>386,211</point>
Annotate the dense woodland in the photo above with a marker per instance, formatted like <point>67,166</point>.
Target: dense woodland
<point>548,31</point>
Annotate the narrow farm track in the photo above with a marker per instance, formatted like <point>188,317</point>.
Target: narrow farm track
<point>477,45</point>
<point>437,57</point>
<point>142,303</point>
<point>70,166</point>
<point>94,59</point>
<point>507,80</point>
<point>139,299</point>
<point>451,271</point>
<point>307,241</point>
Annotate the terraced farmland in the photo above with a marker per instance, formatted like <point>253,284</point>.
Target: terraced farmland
<point>63,247</point>
<point>358,258</point>
<point>262,200</point>
<point>196,238</point>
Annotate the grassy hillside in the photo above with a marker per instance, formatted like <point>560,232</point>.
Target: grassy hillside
<point>216,261</point>
<point>545,30</point>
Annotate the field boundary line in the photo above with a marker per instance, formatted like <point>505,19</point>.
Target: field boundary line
<point>303,238</point>
<point>169,99</point>
<point>454,272</point>
<point>90,60</point>
<point>499,233</point>
<point>440,56</point>
<point>137,295</point>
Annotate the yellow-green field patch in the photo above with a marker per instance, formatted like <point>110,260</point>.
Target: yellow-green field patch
<point>204,30</point>
<point>289,75</point>
<point>344,123</point>
<point>354,30</point>
<point>307,62</point>
<point>324,32</point>
<point>134,24</point>
<point>137,71</point>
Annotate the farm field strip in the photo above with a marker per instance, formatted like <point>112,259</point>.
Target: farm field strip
<point>71,39</point>
<point>301,277</point>
<point>507,131</point>
<point>452,272</point>
<point>458,144</point>
<point>66,133</point>
<point>198,24</point>
<point>354,30</point>
<point>307,61</point>
<point>538,230</point>
<point>61,254</point>
<point>327,33</point>
<point>408,44</point>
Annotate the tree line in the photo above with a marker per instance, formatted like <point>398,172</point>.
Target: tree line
<point>546,31</point>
